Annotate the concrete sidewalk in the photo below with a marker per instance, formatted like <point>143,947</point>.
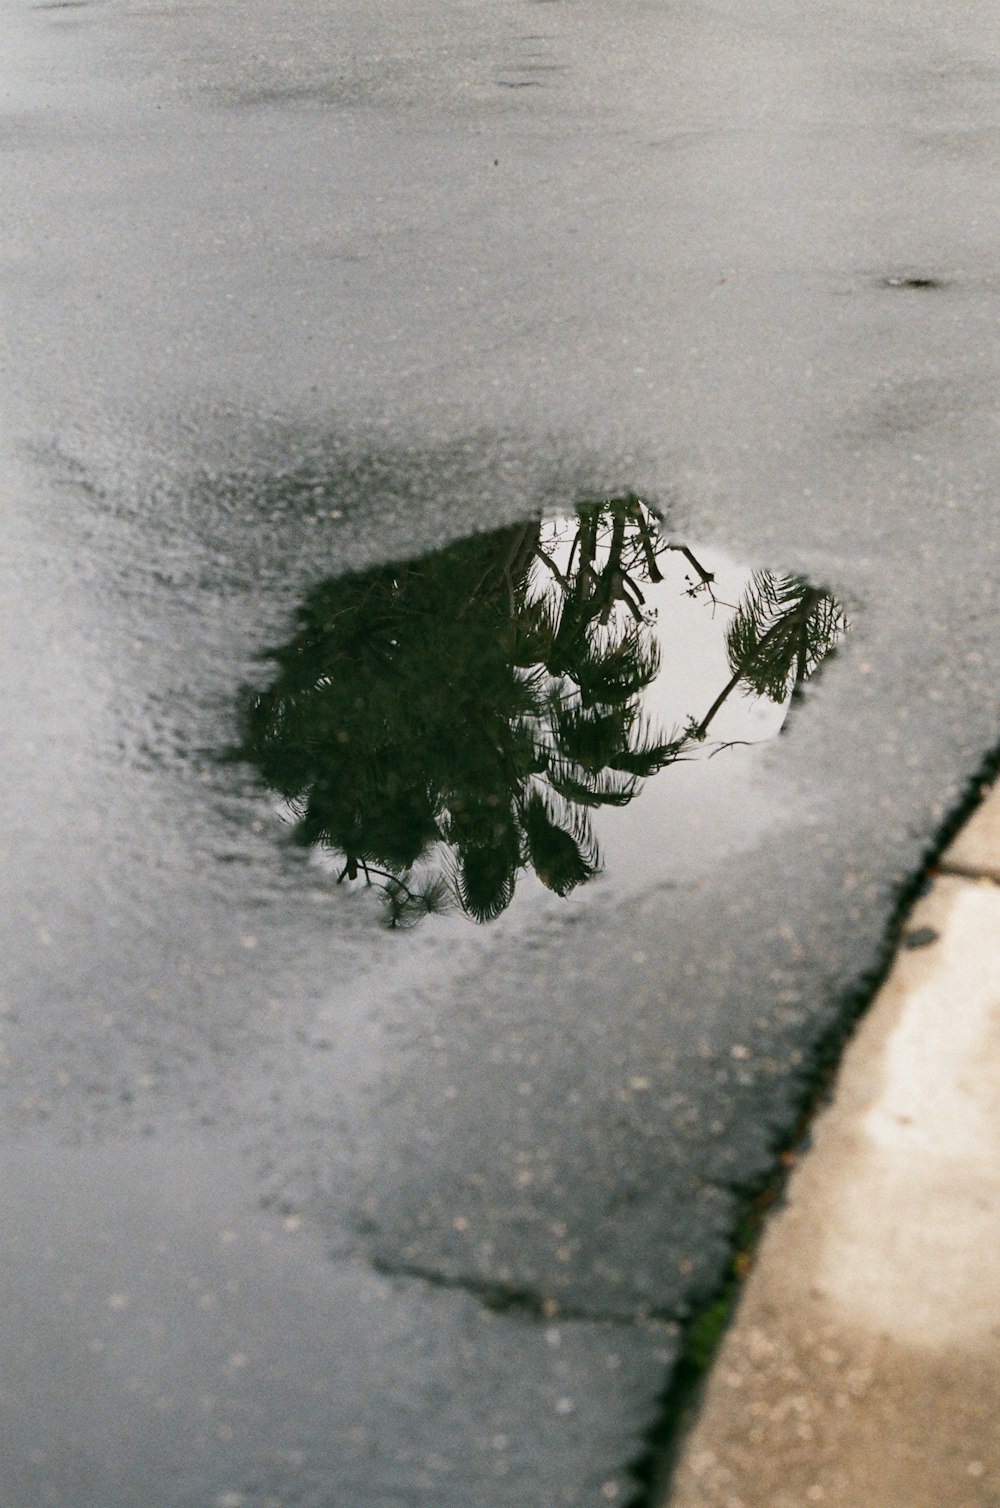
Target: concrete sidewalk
<point>862,1368</point>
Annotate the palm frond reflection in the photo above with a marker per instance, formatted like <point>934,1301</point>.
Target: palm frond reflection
<point>443,725</point>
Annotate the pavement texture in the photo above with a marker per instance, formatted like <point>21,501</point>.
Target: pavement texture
<point>315,1214</point>
<point>863,1363</point>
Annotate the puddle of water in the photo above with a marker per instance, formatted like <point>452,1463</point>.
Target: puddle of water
<point>555,703</point>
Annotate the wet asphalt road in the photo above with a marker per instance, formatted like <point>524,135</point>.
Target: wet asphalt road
<point>303,1212</point>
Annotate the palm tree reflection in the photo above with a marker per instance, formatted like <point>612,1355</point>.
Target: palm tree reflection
<point>445,724</point>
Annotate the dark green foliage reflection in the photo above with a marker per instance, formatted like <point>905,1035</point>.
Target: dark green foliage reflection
<point>445,724</point>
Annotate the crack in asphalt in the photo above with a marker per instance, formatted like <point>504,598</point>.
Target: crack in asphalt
<point>508,1298</point>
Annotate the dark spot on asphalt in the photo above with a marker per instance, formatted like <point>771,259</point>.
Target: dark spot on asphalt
<point>920,937</point>
<point>895,281</point>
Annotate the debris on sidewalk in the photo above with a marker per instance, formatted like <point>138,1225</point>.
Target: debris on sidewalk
<point>976,850</point>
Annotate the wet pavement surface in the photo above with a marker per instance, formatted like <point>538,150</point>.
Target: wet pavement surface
<point>304,1209</point>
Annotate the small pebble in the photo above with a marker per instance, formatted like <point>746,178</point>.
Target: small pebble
<point>920,937</point>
